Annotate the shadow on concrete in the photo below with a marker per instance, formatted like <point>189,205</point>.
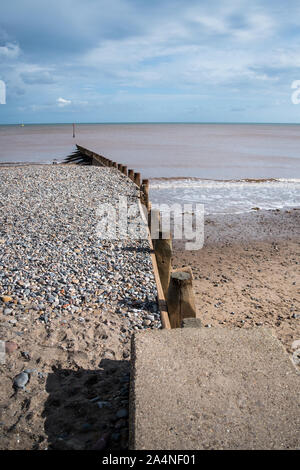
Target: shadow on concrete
<point>81,410</point>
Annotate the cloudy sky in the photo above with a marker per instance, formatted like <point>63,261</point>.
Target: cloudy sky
<point>149,60</point>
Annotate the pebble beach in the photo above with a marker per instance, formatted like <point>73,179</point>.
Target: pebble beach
<point>69,303</point>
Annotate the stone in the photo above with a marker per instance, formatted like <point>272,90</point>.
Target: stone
<point>26,355</point>
<point>7,311</point>
<point>122,413</point>
<point>296,344</point>
<point>20,380</point>
<point>103,404</point>
<point>6,298</point>
<point>10,347</point>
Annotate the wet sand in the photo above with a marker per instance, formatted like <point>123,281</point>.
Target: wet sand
<point>247,274</point>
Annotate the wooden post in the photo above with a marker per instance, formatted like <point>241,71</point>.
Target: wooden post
<point>137,179</point>
<point>180,297</point>
<point>145,190</point>
<point>131,174</point>
<point>124,170</point>
<point>114,165</point>
<point>73,131</point>
<point>154,223</point>
<point>119,167</point>
<point>163,252</point>
<point>149,213</point>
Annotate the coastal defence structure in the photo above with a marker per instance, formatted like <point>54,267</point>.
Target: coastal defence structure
<point>181,298</point>
<point>203,388</point>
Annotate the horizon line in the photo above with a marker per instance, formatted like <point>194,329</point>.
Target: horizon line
<point>146,122</point>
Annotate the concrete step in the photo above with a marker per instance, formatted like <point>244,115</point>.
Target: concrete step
<point>199,388</point>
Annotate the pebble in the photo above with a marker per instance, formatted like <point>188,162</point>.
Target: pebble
<point>20,380</point>
<point>7,311</point>
<point>296,344</point>
<point>103,404</point>
<point>116,436</point>
<point>122,413</point>
<point>10,347</point>
<point>26,355</point>
<point>150,317</point>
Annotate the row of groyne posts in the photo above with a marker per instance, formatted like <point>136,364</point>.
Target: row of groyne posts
<point>175,294</point>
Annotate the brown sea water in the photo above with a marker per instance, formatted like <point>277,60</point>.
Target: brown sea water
<point>195,155</point>
<point>217,151</point>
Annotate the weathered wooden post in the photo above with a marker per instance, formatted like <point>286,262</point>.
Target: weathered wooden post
<point>154,223</point>
<point>124,170</point>
<point>163,252</point>
<point>145,191</point>
<point>131,174</point>
<point>137,179</point>
<point>119,167</point>
<point>114,165</point>
<point>180,296</point>
<point>149,213</point>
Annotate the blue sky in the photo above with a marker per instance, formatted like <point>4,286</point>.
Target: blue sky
<point>149,60</point>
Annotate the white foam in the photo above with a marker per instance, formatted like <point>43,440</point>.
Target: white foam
<point>228,196</point>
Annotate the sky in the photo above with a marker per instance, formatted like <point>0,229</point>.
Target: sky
<point>149,60</point>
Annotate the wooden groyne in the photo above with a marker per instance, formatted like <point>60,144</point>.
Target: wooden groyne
<point>174,287</point>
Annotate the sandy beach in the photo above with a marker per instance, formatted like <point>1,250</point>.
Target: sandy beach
<point>247,274</point>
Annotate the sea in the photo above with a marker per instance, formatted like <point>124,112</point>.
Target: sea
<point>229,168</point>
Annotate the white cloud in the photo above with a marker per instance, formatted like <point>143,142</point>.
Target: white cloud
<point>62,102</point>
<point>10,51</point>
